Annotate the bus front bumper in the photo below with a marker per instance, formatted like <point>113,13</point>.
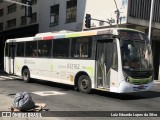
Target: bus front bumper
<point>126,87</point>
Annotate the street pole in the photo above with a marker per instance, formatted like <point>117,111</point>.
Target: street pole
<point>150,22</point>
<point>117,12</point>
<point>28,7</point>
<point>19,3</point>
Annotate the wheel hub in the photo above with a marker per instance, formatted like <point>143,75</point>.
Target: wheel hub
<point>84,84</point>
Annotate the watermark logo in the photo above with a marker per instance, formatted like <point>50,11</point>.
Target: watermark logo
<point>20,114</point>
<point>6,114</point>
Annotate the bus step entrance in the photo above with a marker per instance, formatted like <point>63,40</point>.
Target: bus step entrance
<point>100,82</point>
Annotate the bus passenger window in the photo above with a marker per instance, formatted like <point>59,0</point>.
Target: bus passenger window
<point>44,48</point>
<point>31,49</point>
<point>61,48</point>
<point>20,49</point>
<point>81,47</point>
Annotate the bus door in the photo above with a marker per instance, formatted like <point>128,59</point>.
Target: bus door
<point>11,57</point>
<point>105,60</point>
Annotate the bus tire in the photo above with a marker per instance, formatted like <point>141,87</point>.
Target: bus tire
<point>84,84</point>
<point>26,75</point>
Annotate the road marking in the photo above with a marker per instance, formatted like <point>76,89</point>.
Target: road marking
<point>48,93</point>
<point>5,77</point>
<point>10,77</point>
<point>1,79</point>
<point>16,77</point>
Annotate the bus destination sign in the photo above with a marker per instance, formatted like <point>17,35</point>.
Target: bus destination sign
<point>132,35</point>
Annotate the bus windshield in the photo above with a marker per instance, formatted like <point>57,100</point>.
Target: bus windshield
<point>136,55</point>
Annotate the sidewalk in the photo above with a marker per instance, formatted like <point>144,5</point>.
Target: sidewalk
<point>6,103</point>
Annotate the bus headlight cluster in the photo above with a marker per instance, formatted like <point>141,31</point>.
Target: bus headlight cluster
<point>126,77</point>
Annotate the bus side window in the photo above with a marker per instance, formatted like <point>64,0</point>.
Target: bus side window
<point>61,48</point>
<point>44,48</point>
<point>81,47</point>
<point>20,49</point>
<point>31,49</point>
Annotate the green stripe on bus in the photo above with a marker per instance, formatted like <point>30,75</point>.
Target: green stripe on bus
<point>140,81</point>
<point>90,69</point>
<point>52,67</point>
<point>72,35</point>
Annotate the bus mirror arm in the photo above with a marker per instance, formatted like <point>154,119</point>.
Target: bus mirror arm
<point>117,36</point>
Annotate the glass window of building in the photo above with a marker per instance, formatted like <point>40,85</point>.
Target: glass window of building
<point>24,2</point>
<point>34,18</point>
<point>12,8</point>
<point>1,26</point>
<point>54,17</point>
<point>1,1</point>
<point>33,2</point>
<point>11,23</point>
<point>23,20</point>
<point>71,11</point>
<point>1,12</point>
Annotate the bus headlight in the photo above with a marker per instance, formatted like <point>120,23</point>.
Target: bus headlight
<point>126,77</point>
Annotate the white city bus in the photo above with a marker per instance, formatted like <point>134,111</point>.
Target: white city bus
<point>116,60</point>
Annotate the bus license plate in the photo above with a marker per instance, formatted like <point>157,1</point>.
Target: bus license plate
<point>139,88</point>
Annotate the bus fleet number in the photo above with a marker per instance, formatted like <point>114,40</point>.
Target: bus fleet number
<point>73,66</point>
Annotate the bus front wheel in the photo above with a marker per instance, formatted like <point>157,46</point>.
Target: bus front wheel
<point>84,84</point>
<point>26,75</point>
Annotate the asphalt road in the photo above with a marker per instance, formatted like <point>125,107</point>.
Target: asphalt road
<point>60,97</point>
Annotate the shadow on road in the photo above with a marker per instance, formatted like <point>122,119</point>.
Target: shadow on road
<point>61,87</point>
<point>129,96</point>
<point>122,96</point>
<point>126,96</point>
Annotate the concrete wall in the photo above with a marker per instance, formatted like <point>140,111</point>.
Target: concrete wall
<point>139,13</point>
<point>142,22</point>
<point>99,9</point>
<point>105,9</point>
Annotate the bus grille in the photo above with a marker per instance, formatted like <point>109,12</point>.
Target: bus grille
<point>138,74</point>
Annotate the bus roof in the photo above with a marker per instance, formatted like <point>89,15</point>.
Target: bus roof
<point>70,34</point>
<point>20,39</point>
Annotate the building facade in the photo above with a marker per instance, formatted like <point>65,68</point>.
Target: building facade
<point>56,15</point>
<point>70,14</point>
<point>12,18</point>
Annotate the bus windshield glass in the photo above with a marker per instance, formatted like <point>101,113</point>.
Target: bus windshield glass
<point>136,52</point>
